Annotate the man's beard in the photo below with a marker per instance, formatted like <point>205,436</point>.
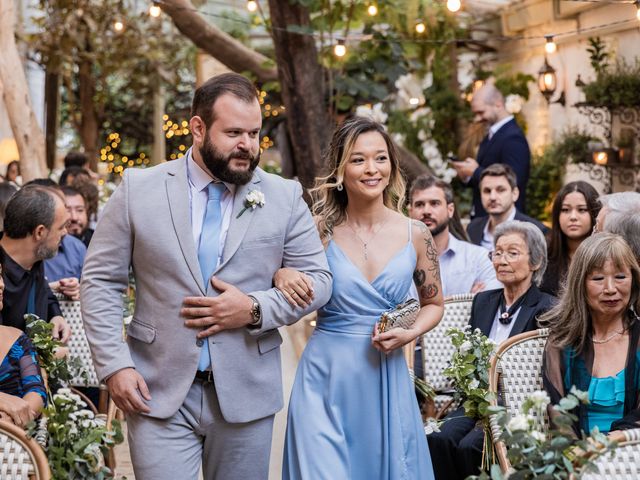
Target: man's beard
<point>438,228</point>
<point>218,164</point>
<point>45,253</point>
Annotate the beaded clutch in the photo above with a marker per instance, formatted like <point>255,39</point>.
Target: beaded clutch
<point>403,316</point>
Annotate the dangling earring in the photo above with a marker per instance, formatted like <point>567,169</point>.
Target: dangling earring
<point>339,187</point>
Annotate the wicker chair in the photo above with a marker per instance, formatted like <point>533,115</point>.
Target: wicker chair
<point>79,347</point>
<point>624,462</point>
<point>516,372</point>
<point>21,458</point>
<point>437,351</point>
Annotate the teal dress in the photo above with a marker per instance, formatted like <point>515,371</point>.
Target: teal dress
<point>606,401</point>
<point>353,412</point>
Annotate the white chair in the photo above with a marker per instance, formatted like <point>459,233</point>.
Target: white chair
<point>623,463</point>
<point>21,458</point>
<point>437,351</point>
<point>516,372</point>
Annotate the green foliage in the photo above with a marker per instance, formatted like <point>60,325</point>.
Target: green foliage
<point>77,441</point>
<point>469,370</point>
<point>545,178</point>
<point>553,455</point>
<point>59,370</point>
<point>616,87</point>
<point>598,55</point>
<point>514,84</point>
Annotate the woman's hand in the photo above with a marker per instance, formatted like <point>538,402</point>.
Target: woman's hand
<point>17,409</point>
<point>393,339</point>
<point>296,287</point>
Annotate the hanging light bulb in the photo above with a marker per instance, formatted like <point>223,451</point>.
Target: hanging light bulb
<point>550,46</point>
<point>154,10</point>
<point>420,27</point>
<point>118,26</point>
<point>638,11</point>
<point>252,6</point>
<point>453,5</point>
<point>340,49</point>
<point>372,10</point>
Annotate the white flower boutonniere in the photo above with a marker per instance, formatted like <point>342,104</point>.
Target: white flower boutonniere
<point>255,198</point>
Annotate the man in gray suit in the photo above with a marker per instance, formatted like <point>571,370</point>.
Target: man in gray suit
<point>199,375</point>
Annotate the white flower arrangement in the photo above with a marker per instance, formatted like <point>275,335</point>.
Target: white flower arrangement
<point>411,90</point>
<point>254,199</point>
<point>375,113</point>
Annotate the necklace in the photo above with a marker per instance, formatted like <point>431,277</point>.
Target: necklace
<point>609,338</point>
<point>365,244</point>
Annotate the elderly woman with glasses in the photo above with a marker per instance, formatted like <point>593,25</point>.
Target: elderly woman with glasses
<point>594,340</point>
<point>520,259</point>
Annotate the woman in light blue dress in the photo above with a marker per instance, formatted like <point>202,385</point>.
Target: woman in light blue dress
<point>353,412</point>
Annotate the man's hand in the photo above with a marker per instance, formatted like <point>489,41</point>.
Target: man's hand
<point>70,287</point>
<point>465,168</point>
<point>61,329</point>
<point>477,287</point>
<point>230,309</point>
<point>129,391</point>
<point>17,409</point>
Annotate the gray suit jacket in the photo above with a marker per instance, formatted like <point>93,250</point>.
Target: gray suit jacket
<point>146,225</point>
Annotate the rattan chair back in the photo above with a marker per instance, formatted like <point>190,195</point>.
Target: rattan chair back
<point>21,458</point>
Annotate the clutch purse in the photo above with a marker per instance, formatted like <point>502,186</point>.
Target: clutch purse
<point>403,316</point>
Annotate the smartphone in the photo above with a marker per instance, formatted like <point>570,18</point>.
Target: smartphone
<point>453,158</point>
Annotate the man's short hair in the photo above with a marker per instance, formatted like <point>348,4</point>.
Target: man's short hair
<point>627,225</point>
<point>426,181</point>
<point>75,159</point>
<point>501,170</point>
<point>207,94</point>
<point>31,206</point>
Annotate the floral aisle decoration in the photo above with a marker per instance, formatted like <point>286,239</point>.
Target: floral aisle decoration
<point>556,454</point>
<point>469,372</point>
<point>74,439</point>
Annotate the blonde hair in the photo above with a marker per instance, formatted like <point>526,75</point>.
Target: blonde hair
<point>570,319</point>
<point>330,201</point>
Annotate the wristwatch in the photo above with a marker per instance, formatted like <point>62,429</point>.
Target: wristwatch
<point>256,313</point>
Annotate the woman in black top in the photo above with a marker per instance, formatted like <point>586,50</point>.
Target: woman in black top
<point>573,217</point>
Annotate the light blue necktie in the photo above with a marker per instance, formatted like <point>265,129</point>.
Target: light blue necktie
<point>208,250</point>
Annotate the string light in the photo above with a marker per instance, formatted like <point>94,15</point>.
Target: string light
<point>252,6</point>
<point>420,27</point>
<point>155,10</point>
<point>550,46</point>
<point>118,26</point>
<point>453,5</point>
<point>340,49</point>
<point>373,10</point>
<point>638,9</point>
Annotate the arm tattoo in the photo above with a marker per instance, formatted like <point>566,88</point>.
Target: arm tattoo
<point>432,256</point>
<point>426,291</point>
<point>430,290</point>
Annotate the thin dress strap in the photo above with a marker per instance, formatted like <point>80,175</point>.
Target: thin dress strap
<point>410,229</point>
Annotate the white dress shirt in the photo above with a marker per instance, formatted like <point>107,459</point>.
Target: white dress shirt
<point>198,197</point>
<point>496,126</point>
<point>487,236</point>
<point>500,332</point>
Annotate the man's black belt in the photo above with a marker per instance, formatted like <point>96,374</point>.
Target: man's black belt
<point>204,376</point>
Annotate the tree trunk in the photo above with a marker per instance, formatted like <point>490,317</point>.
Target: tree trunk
<point>88,117</point>
<point>217,43</point>
<point>52,102</point>
<point>301,83</point>
<point>24,125</point>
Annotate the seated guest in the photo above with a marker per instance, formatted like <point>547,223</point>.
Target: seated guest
<point>519,259</point>
<point>78,215</point>
<point>616,204</point>
<point>69,175</point>
<point>464,267</point>
<point>573,217</point>
<point>594,339</point>
<point>22,391</point>
<point>498,192</point>
<point>6,192</point>
<point>33,228</point>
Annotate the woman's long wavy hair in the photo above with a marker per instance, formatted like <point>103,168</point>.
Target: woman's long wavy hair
<point>570,320</point>
<point>330,203</point>
<point>558,248</point>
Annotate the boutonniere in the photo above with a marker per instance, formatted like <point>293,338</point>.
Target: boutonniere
<point>255,198</point>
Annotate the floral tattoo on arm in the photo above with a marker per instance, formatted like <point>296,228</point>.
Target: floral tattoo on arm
<point>426,290</point>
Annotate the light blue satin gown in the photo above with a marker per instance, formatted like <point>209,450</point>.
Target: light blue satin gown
<point>353,414</point>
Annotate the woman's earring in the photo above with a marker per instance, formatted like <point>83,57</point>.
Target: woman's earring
<point>339,187</point>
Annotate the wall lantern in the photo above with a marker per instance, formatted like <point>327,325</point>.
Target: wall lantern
<point>548,82</point>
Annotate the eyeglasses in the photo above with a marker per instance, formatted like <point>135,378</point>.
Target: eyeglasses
<point>508,256</point>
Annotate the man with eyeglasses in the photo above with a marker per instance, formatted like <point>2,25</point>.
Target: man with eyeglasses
<point>499,193</point>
